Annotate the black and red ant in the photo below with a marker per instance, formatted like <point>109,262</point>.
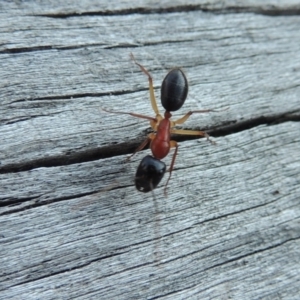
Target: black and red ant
<point>174,91</point>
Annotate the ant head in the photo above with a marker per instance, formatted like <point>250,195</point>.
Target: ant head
<point>149,174</point>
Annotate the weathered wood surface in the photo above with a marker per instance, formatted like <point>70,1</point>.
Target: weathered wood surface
<point>72,223</point>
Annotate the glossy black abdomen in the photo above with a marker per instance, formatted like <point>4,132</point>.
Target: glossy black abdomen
<point>174,90</point>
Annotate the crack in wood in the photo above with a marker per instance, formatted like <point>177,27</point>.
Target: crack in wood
<point>269,10</point>
<point>128,147</point>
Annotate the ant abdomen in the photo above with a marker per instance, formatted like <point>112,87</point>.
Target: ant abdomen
<point>174,90</point>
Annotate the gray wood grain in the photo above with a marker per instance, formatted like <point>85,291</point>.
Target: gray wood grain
<point>77,7</point>
<point>72,223</point>
<point>232,226</point>
<point>234,66</point>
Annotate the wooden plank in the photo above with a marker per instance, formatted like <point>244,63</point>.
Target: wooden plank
<point>57,96</point>
<point>219,234</point>
<point>77,7</point>
<point>72,223</point>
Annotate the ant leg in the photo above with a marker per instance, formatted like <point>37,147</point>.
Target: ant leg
<point>142,145</point>
<point>172,145</point>
<point>193,132</point>
<point>151,89</point>
<point>139,148</point>
<point>186,116</point>
<point>131,114</point>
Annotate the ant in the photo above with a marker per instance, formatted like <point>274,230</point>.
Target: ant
<point>174,91</point>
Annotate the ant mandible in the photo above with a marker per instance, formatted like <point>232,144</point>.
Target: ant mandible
<point>174,91</point>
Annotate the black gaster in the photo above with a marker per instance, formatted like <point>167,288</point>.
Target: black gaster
<point>149,174</point>
<point>174,90</point>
